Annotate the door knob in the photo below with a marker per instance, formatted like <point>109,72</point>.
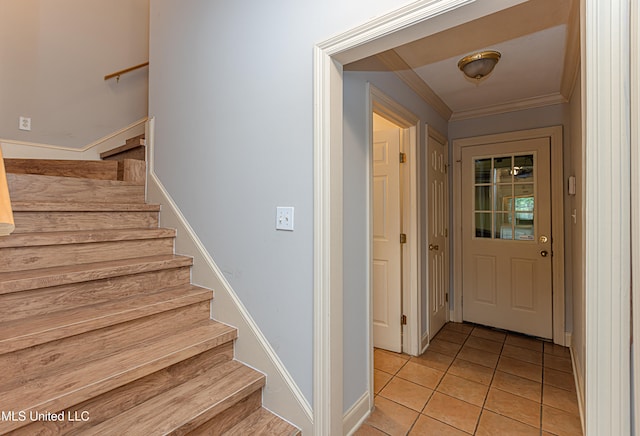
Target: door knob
<point>433,247</point>
<point>544,253</point>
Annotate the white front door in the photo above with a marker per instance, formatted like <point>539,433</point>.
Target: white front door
<point>386,267</point>
<point>437,233</point>
<point>506,245</point>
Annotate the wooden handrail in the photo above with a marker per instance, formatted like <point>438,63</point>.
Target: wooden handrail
<point>126,70</point>
<point>6,213</point>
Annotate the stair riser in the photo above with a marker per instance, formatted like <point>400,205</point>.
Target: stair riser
<point>24,280</point>
<point>100,170</point>
<point>42,301</point>
<point>24,365</point>
<point>67,221</point>
<point>18,336</point>
<point>138,153</point>
<point>111,403</point>
<point>230,417</point>
<point>24,258</point>
<point>27,187</point>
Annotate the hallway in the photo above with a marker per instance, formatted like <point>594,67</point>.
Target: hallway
<point>474,380</point>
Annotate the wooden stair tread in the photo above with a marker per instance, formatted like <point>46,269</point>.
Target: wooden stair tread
<point>27,332</point>
<point>40,206</point>
<point>60,275</point>
<point>82,237</point>
<point>91,169</point>
<point>64,389</point>
<point>131,143</point>
<point>30,187</point>
<point>199,400</point>
<point>262,422</point>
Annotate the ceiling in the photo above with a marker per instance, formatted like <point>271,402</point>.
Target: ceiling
<point>539,43</point>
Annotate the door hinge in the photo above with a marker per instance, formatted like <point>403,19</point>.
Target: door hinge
<point>403,238</point>
<point>403,157</point>
<point>446,297</point>
<point>403,320</point>
<point>446,167</point>
<point>446,233</point>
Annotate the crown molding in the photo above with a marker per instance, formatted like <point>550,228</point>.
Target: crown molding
<point>395,63</point>
<point>510,106</point>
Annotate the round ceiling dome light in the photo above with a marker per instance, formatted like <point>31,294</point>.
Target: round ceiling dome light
<point>478,65</point>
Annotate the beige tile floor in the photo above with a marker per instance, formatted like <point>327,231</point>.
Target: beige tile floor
<point>475,380</point>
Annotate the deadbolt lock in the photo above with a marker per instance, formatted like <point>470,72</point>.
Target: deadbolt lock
<point>543,239</point>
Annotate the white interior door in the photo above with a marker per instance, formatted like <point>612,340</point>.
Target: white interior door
<point>437,234</point>
<point>386,267</point>
<point>506,226</point>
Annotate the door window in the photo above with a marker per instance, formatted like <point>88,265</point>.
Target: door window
<point>505,197</point>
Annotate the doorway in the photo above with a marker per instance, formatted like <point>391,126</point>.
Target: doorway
<point>506,236</point>
<point>437,199</point>
<point>509,256</point>
<point>386,214</point>
<point>403,325</point>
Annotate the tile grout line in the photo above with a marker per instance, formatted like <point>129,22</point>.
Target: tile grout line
<point>493,375</point>
<point>448,367</point>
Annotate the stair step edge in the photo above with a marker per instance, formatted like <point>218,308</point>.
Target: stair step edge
<point>63,275</point>
<point>201,399</point>
<point>43,206</point>
<point>38,239</point>
<point>64,389</point>
<point>28,332</point>
<point>263,423</point>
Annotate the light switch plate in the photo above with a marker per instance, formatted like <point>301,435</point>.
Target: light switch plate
<point>284,218</point>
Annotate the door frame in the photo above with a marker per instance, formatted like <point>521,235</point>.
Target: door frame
<point>605,72</point>
<point>557,217</point>
<point>409,124</point>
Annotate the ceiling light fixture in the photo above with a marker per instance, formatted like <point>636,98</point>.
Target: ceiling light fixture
<point>478,65</point>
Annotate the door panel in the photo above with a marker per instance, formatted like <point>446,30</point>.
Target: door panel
<point>386,268</point>
<point>437,237</point>
<point>506,218</point>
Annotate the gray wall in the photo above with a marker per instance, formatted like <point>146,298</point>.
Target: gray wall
<point>357,140</point>
<point>53,57</point>
<point>231,87</point>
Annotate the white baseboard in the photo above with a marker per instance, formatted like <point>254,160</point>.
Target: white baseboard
<point>356,415</point>
<point>424,342</point>
<point>281,395</point>
<point>32,150</point>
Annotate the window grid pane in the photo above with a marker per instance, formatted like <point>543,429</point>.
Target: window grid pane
<point>504,197</point>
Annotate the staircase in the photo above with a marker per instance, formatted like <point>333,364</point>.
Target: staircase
<point>101,330</point>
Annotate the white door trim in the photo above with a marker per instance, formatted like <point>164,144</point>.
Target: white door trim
<point>606,72</point>
<point>635,200</point>
<point>386,107</point>
<point>557,217</point>
<point>607,124</point>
